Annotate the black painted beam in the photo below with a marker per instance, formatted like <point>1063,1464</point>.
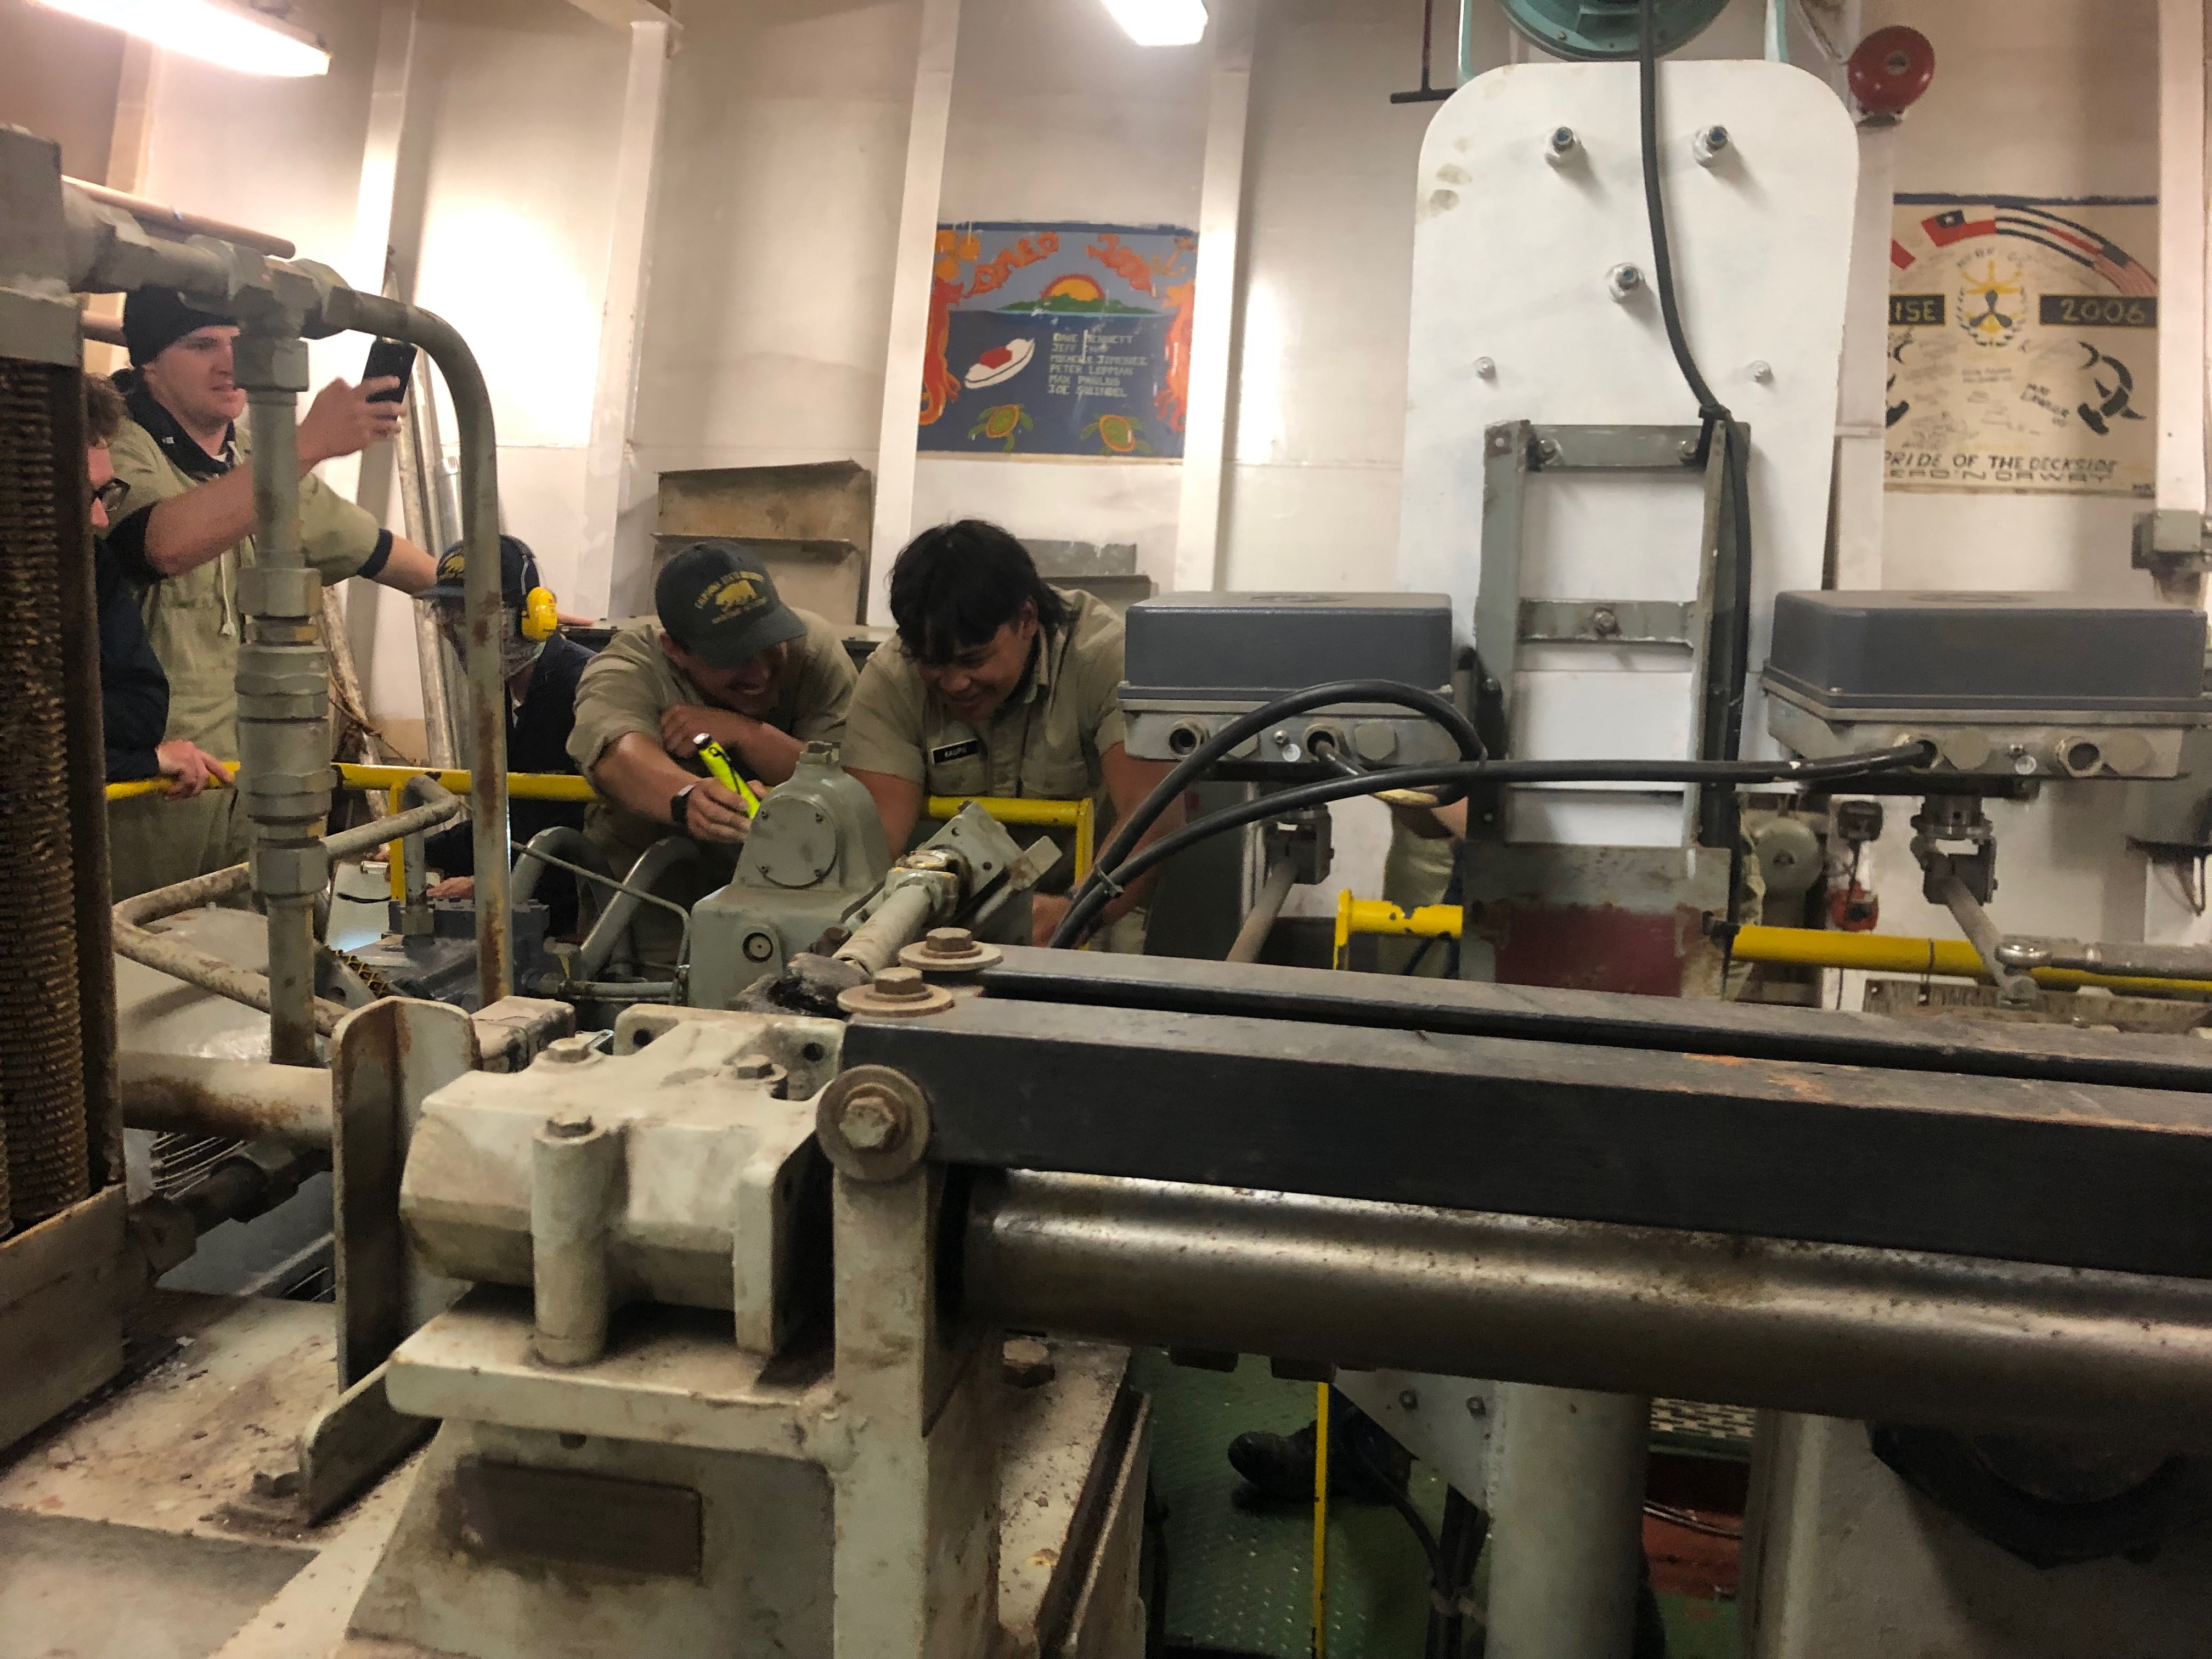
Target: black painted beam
<point>2023,1168</point>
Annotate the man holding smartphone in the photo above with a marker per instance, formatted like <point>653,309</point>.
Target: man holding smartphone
<point>183,530</point>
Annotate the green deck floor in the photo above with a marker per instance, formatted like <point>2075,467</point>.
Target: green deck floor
<point>1240,1580</point>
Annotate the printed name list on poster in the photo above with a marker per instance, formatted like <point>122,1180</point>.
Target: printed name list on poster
<point>1060,340</point>
<point>2023,345</point>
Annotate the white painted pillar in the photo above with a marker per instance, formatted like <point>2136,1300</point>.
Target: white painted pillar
<point>936,50</point>
<point>2184,349</point>
<point>610,487</point>
<point>1214,317</point>
<point>1862,402</point>
<point>366,262</point>
<point>2181,248</point>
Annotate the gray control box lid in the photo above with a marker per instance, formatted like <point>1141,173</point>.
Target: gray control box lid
<point>1871,651</point>
<point>1253,646</point>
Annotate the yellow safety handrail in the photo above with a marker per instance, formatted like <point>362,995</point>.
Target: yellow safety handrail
<point>1803,947</point>
<point>522,786</point>
<point>1080,816</point>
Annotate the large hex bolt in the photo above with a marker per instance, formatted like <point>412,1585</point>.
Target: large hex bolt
<point>869,1119</point>
<point>872,1122</point>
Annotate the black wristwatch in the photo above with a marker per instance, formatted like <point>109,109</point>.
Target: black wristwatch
<point>679,808</point>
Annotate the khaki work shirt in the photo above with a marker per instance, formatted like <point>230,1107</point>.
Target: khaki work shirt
<point>632,682</point>
<point>193,619</point>
<point>1043,743</point>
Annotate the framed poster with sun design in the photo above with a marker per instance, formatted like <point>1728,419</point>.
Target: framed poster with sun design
<point>1061,340</point>
<point>2023,345</point>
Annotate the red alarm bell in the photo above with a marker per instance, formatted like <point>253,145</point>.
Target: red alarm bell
<point>1891,69</point>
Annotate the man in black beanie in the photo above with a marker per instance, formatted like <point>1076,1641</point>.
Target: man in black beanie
<point>184,529</point>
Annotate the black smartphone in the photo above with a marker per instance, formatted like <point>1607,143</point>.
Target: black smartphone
<point>387,358</point>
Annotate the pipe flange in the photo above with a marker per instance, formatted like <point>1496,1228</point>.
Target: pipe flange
<point>899,993</point>
<point>951,950</point>
<point>872,1122</point>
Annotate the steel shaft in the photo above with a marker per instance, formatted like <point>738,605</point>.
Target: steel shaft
<point>1833,1330</point>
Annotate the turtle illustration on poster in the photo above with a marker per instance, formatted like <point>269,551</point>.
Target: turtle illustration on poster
<point>2023,345</point>
<point>1079,332</point>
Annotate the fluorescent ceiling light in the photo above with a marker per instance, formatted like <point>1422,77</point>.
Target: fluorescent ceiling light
<point>1161,22</point>
<point>234,36</point>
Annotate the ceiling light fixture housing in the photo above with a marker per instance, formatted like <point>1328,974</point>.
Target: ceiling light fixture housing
<point>1161,22</point>
<point>219,31</point>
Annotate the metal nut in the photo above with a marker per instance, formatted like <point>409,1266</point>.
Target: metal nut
<point>1605,622</point>
<point>869,1119</point>
<point>570,1124</point>
<point>754,1068</point>
<point>948,942</point>
<point>1028,1362</point>
<point>899,985</point>
<point>1624,280</point>
<point>571,1050</point>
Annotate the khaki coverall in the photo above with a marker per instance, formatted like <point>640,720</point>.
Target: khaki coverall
<point>193,621</point>
<point>627,689</point>
<point>1043,743</point>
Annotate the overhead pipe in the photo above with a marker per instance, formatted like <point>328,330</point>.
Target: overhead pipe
<point>108,249</point>
<point>483,614</point>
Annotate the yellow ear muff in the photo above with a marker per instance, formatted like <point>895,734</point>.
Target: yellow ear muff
<point>541,615</point>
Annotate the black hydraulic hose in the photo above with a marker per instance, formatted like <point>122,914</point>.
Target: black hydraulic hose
<point>1105,882</point>
<point>1710,409</point>
<point>1730,630</point>
<point>1201,760</point>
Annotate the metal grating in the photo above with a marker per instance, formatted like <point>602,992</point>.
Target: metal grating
<point>41,1041</point>
<point>1694,1425</point>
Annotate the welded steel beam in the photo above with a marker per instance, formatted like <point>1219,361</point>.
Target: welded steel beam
<point>2022,1169</point>
<point>1470,1008</point>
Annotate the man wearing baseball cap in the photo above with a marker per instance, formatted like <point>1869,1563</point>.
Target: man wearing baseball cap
<point>724,660</point>
<point>542,667</point>
<point>183,531</point>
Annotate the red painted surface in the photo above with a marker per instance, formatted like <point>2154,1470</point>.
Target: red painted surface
<point>1592,947</point>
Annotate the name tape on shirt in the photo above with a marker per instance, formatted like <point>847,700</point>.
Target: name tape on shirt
<point>953,751</point>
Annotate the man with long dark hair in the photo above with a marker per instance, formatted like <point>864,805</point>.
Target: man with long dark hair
<point>997,684</point>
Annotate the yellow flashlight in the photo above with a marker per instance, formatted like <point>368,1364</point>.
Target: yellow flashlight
<point>717,764</point>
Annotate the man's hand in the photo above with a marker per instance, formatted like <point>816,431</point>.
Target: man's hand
<point>681,723</point>
<point>342,421</point>
<point>188,767</point>
<point>454,887</point>
<point>714,813</point>
<point>1047,912</point>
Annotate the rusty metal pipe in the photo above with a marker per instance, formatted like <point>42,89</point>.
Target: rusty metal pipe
<point>158,216</point>
<point>212,974</point>
<point>242,1099</point>
<point>1830,1329</point>
<point>487,682</point>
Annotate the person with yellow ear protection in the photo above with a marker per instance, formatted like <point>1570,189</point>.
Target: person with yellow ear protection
<point>542,669</point>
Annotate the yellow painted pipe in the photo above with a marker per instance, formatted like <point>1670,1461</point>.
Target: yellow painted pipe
<point>1802,947</point>
<point>1360,915</point>
<point>1080,816</point>
<point>1942,958</point>
<point>521,786</point>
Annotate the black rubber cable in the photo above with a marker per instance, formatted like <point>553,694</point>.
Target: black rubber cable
<point>1104,882</point>
<point>1201,760</point>
<point>1710,409</point>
